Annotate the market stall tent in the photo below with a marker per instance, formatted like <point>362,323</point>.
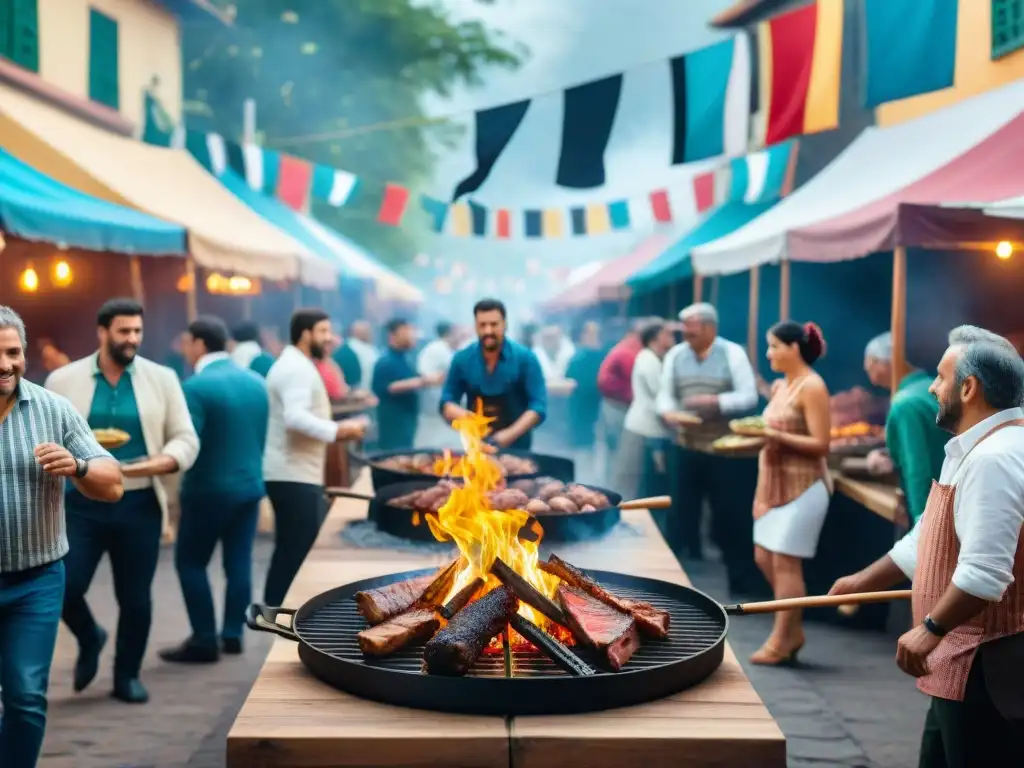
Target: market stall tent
<point>223,233</point>
<point>36,207</point>
<point>879,162</point>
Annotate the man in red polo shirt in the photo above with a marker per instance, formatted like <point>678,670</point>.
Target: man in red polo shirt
<point>615,383</point>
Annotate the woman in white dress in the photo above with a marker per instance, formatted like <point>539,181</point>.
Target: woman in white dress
<point>793,486</point>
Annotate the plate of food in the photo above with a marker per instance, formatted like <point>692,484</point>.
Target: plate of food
<point>111,438</point>
<point>750,426</point>
<point>737,444</point>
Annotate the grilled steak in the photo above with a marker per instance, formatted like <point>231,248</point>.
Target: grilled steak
<point>455,649</point>
<point>377,605</point>
<point>651,621</point>
<point>600,626</point>
<point>397,632</point>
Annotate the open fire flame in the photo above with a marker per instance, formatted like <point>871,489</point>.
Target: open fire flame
<point>482,533</point>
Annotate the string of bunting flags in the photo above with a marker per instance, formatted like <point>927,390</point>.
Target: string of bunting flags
<point>296,182</point>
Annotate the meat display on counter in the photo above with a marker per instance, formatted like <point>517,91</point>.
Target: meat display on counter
<point>426,463</point>
<point>543,496</point>
<point>597,619</point>
<point>859,434</point>
<point>455,649</point>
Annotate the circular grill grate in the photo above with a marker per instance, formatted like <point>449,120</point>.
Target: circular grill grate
<point>331,629</point>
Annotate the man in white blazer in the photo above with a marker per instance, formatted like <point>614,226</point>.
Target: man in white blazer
<point>116,389</point>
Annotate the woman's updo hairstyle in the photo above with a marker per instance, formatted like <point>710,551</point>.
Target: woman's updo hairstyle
<point>807,336</point>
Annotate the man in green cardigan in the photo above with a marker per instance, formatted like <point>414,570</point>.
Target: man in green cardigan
<point>221,493</point>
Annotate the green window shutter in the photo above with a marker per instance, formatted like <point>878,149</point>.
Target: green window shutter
<point>103,60</point>
<point>1007,27</point>
<point>19,32</point>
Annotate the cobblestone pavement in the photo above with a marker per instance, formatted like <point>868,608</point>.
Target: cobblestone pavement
<point>847,705</point>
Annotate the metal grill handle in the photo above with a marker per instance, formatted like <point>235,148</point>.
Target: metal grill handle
<point>264,619</point>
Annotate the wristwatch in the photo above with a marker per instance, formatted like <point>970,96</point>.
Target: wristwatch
<point>933,626</point>
<point>81,468</point>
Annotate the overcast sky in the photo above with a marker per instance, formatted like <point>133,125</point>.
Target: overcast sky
<point>570,41</point>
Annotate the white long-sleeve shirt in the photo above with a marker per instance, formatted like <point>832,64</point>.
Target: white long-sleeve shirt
<point>642,416</point>
<point>434,358</point>
<point>555,368</point>
<point>743,396</point>
<point>300,425</point>
<point>988,507</point>
<point>368,355</point>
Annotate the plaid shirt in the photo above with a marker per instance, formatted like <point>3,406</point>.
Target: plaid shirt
<point>32,531</point>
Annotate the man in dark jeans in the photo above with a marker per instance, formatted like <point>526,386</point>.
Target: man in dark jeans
<point>118,388</point>
<point>298,432</point>
<point>220,494</point>
<point>43,441</point>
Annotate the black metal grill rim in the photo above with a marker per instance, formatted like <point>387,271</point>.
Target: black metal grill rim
<point>686,642</point>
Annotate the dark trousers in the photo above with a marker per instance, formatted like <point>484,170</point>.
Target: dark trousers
<point>30,603</point>
<point>129,531</point>
<point>728,486</point>
<point>299,511</point>
<point>205,522</point>
<point>970,733</point>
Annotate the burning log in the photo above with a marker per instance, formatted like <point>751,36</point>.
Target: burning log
<point>609,631</point>
<point>527,593</point>
<point>651,621</point>
<point>551,648</point>
<point>379,605</point>
<point>455,649</point>
<point>461,598</point>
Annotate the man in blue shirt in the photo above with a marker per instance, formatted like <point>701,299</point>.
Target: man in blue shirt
<point>397,386</point>
<point>220,494</point>
<point>505,377</point>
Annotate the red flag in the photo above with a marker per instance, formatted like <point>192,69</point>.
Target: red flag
<point>704,191</point>
<point>392,207</point>
<point>502,223</point>
<point>294,182</point>
<point>660,206</point>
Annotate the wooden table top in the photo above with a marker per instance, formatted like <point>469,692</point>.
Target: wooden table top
<point>881,498</point>
<point>292,719</point>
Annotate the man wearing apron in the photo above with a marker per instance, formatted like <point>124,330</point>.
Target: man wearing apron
<point>502,375</point>
<point>966,559</point>
<point>709,377</point>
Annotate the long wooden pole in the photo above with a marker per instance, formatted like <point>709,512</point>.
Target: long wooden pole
<point>784,285</point>
<point>698,287</point>
<point>753,310</point>
<point>715,282</point>
<point>191,304</point>
<point>899,316</point>
<point>135,270</point>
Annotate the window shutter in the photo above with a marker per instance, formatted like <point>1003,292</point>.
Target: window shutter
<point>103,60</point>
<point>20,39</point>
<point>1007,27</point>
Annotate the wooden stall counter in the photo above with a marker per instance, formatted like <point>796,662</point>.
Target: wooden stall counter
<point>292,720</point>
<point>884,499</point>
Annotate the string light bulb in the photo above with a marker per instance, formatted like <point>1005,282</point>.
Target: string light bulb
<point>62,274</point>
<point>1004,250</point>
<point>29,280</point>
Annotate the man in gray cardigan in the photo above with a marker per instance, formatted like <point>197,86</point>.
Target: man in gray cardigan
<point>115,388</point>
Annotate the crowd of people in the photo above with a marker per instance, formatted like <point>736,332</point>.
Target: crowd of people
<point>245,418</point>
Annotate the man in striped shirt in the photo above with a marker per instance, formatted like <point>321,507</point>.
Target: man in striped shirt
<point>43,440</point>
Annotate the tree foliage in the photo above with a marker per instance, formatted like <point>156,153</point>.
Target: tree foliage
<point>322,72</point>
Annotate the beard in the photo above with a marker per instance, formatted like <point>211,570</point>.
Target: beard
<point>949,414</point>
<point>8,382</point>
<point>122,354</point>
<point>316,351</point>
<point>489,341</point>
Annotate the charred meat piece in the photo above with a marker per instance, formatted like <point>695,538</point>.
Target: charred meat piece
<point>582,496</point>
<point>526,486</point>
<point>550,489</point>
<point>508,498</point>
<point>611,632</point>
<point>651,621</point>
<point>378,605</point>
<point>398,631</point>
<point>563,505</point>
<point>455,649</point>
<point>433,498</point>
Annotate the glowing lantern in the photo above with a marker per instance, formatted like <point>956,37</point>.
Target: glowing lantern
<point>1004,250</point>
<point>62,274</point>
<point>29,281</point>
